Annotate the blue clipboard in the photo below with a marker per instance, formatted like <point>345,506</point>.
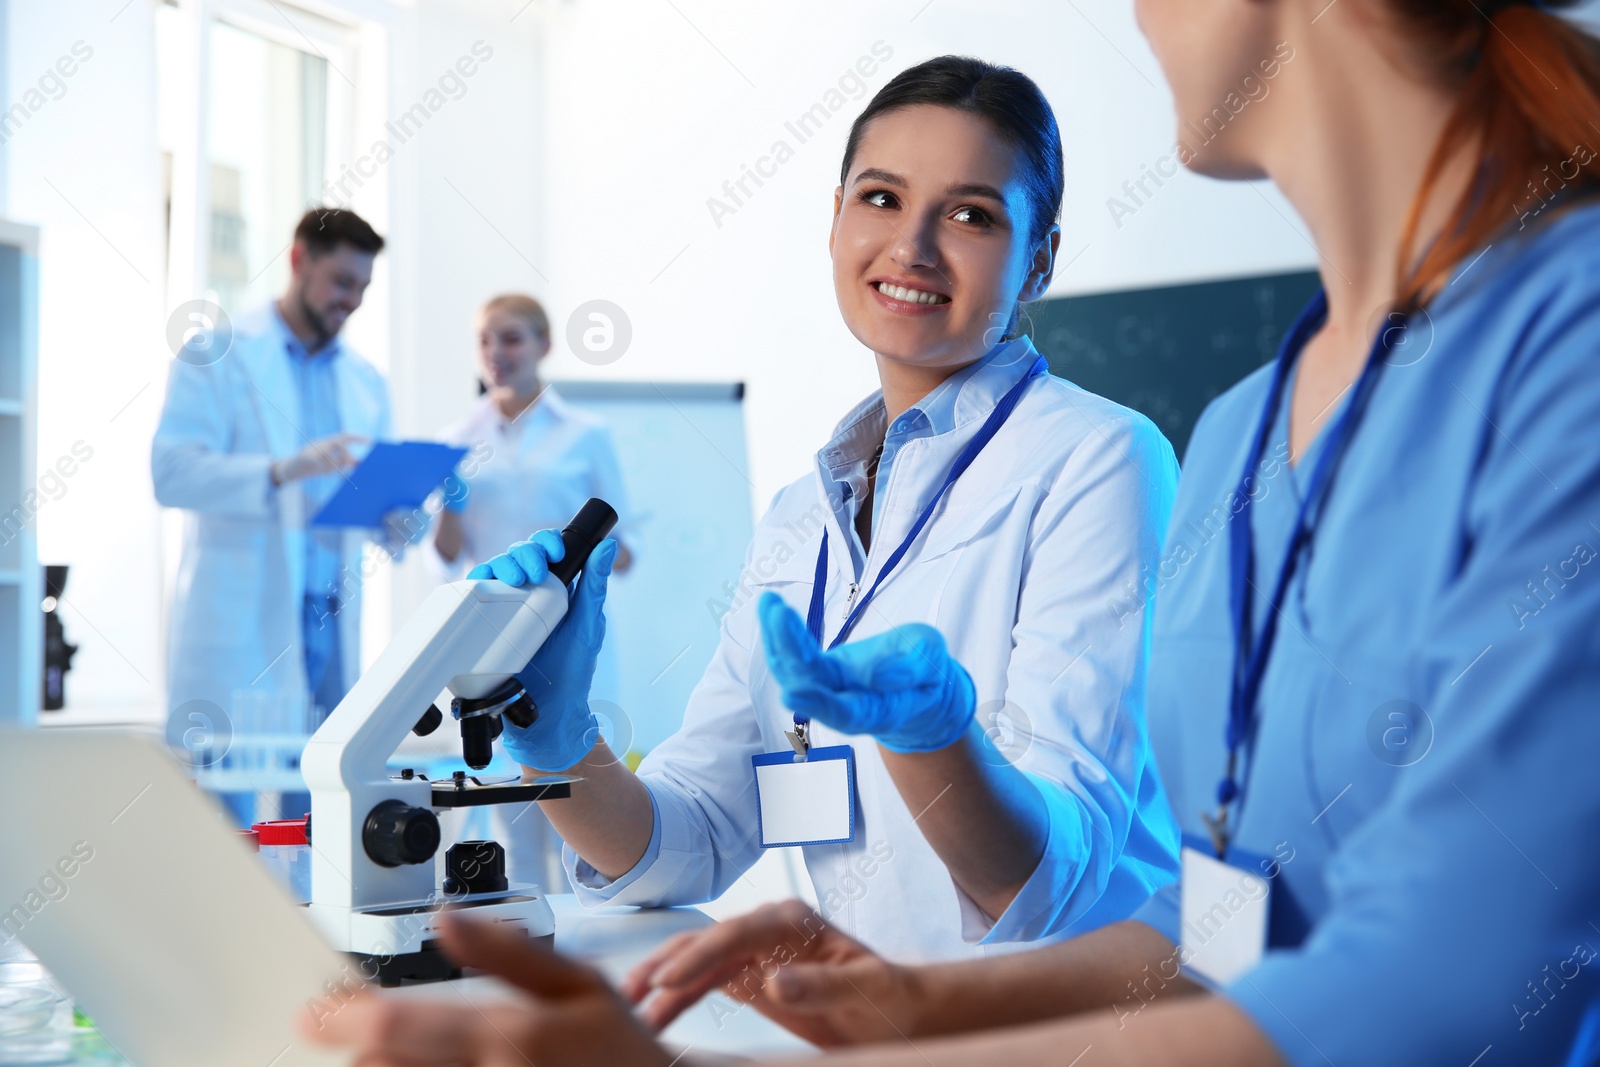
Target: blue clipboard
<point>395,474</point>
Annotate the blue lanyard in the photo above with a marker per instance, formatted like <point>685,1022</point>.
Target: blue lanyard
<point>1250,652</point>
<point>991,426</point>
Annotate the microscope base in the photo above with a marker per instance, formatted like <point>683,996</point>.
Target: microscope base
<point>395,943</point>
<point>428,964</point>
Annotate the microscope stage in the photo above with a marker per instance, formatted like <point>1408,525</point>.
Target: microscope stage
<point>470,791</point>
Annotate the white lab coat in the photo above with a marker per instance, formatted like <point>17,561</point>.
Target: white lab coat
<point>1026,568</point>
<point>531,473</point>
<point>237,610</point>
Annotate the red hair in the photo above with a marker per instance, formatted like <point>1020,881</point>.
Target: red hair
<point>1529,107</point>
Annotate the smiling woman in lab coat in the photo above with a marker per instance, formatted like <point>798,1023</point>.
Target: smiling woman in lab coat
<point>1003,611</point>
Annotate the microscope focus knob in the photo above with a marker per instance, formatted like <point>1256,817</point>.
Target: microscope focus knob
<point>429,722</point>
<point>397,834</point>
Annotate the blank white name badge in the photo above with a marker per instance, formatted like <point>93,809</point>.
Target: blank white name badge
<point>808,801</point>
<point>1224,917</point>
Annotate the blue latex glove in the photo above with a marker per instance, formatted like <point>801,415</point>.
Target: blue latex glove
<point>900,686</point>
<point>558,677</point>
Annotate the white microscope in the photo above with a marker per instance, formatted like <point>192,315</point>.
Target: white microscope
<point>373,889</point>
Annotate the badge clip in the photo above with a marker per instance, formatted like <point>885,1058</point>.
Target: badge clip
<point>1217,827</point>
<point>797,738</point>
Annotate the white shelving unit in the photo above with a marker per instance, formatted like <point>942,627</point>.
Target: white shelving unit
<point>21,583</point>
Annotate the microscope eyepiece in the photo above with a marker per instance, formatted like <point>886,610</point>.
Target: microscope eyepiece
<point>580,536</point>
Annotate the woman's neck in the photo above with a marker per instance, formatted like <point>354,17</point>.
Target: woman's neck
<point>513,401</point>
<point>906,383</point>
<point>1352,138</point>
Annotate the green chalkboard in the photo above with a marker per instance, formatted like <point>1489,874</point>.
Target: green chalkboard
<point>1168,352</point>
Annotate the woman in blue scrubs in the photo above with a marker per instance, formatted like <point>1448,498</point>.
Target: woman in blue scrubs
<point>1377,654</point>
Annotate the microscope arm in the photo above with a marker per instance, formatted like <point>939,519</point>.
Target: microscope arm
<point>375,835</point>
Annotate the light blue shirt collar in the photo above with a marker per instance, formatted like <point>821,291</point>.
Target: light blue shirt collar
<point>294,345</point>
<point>970,393</point>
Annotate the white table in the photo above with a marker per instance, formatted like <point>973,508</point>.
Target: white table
<point>613,940</point>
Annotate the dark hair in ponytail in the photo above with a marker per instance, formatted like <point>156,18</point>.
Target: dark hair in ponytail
<point>1530,102</point>
<point>1007,99</point>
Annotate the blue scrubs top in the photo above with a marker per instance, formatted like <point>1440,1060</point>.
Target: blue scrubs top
<point>1423,765</point>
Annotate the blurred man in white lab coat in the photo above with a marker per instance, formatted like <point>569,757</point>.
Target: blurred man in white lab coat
<point>253,440</point>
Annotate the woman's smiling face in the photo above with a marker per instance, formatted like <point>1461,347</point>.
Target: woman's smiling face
<point>509,350</point>
<point>931,238</point>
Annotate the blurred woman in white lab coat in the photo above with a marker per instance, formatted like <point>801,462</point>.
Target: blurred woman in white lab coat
<point>532,462</point>
<point>534,459</point>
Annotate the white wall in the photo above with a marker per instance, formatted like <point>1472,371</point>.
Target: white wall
<point>469,200</point>
<point>82,166</point>
<point>466,221</point>
<point>5,83</point>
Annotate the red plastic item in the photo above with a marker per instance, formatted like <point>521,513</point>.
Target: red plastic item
<point>252,839</point>
<point>282,832</point>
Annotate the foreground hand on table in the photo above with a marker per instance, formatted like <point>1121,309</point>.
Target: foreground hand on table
<point>900,686</point>
<point>570,1015</point>
<point>558,677</point>
<point>791,966</point>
